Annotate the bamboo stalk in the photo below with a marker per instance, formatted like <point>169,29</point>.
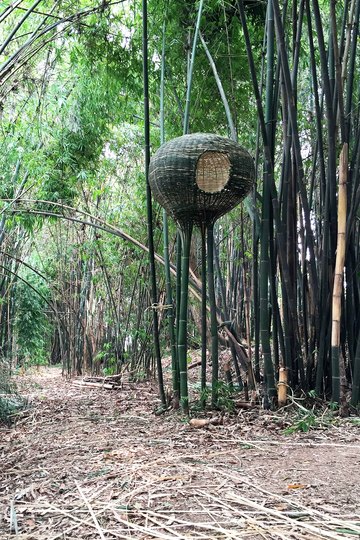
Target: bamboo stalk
<point>265,218</point>
<point>351,71</point>
<point>203,310</point>
<point>338,277</point>
<point>270,163</point>
<point>168,287</point>
<point>154,295</point>
<point>221,90</point>
<point>355,394</point>
<point>213,318</point>
<point>186,233</point>
<point>18,25</point>
<point>282,387</point>
<point>191,69</point>
<point>170,313</point>
<point>296,142</point>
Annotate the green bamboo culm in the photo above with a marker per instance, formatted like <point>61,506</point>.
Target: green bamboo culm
<point>213,318</point>
<point>170,314</point>
<point>168,287</point>
<point>191,70</point>
<point>186,233</point>
<point>182,281</point>
<point>178,278</point>
<point>203,313</point>
<point>154,295</point>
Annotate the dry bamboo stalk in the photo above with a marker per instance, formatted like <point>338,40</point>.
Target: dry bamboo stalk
<point>139,528</point>
<point>108,378</point>
<point>162,525</point>
<point>257,524</point>
<point>97,525</point>
<point>275,513</point>
<point>107,386</point>
<point>340,252</point>
<point>188,523</point>
<point>282,386</point>
<point>63,533</point>
<point>310,511</point>
<point>341,244</point>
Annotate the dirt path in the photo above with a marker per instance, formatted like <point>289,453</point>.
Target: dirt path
<point>90,463</point>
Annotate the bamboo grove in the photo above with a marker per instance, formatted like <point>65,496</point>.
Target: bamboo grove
<point>85,88</point>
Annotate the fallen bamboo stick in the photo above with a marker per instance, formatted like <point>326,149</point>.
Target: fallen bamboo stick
<point>107,386</point>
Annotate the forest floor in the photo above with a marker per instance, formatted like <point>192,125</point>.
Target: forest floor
<point>86,463</point>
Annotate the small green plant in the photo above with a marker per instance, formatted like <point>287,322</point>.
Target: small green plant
<point>225,399</point>
<point>105,360</point>
<point>111,366</point>
<point>199,405</point>
<point>304,423</point>
<point>225,394</point>
<point>333,406</point>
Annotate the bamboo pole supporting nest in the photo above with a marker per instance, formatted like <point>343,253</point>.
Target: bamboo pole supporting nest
<point>186,234</point>
<point>197,179</point>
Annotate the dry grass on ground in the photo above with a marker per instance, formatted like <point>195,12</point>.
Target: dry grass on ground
<point>86,463</point>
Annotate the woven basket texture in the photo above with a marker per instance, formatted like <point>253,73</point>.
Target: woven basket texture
<point>199,177</point>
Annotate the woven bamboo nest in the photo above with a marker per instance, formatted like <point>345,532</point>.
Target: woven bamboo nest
<point>198,178</point>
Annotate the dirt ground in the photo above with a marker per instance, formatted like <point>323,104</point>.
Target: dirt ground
<point>86,463</point>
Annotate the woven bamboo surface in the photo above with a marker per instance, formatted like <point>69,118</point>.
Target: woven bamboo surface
<point>200,177</point>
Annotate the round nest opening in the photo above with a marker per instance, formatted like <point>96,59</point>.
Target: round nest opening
<point>212,171</point>
<point>199,177</point>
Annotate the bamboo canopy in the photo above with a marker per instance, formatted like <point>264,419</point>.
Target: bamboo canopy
<point>200,177</point>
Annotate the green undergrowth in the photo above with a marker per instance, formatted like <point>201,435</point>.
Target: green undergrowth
<point>311,413</point>
<point>225,398</point>
<point>11,402</point>
<point>301,414</point>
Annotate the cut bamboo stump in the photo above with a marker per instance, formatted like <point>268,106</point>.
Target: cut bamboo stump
<point>282,387</point>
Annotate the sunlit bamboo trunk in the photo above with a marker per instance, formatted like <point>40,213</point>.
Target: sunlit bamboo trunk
<point>339,271</point>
